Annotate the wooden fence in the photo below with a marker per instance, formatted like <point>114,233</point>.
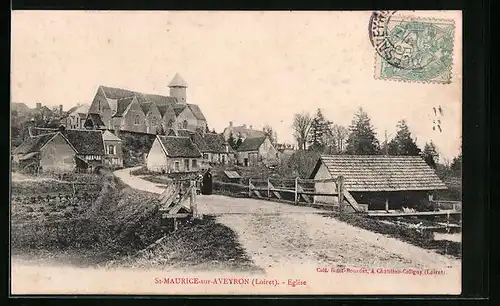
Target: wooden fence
<point>300,191</point>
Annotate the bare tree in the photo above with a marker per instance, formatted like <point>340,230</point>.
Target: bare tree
<point>340,134</point>
<point>301,125</point>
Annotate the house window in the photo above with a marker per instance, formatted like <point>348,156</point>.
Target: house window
<point>154,121</point>
<point>205,155</point>
<point>111,149</point>
<point>194,164</point>
<point>186,165</point>
<point>184,124</point>
<point>176,166</point>
<point>137,119</point>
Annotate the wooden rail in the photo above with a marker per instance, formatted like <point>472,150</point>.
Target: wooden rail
<point>264,188</point>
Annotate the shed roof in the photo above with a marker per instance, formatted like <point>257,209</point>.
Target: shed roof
<point>232,174</point>
<point>381,173</point>
<point>87,142</point>
<point>33,143</point>
<point>179,146</point>
<point>251,144</point>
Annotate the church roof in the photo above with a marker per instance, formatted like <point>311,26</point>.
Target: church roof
<point>177,81</point>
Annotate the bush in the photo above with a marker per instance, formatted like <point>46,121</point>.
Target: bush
<point>300,163</point>
<point>230,189</point>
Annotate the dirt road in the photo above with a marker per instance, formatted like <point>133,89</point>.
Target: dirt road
<point>279,236</point>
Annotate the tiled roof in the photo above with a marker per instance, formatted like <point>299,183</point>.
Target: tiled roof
<point>146,106</point>
<point>251,144</point>
<point>88,142</point>
<point>184,133</point>
<point>35,131</point>
<point>159,99</point>
<point>122,105</point>
<point>116,93</point>
<point>33,143</point>
<point>119,93</point>
<point>178,108</point>
<point>196,111</point>
<point>215,143</point>
<point>178,81</point>
<point>96,119</point>
<point>179,146</point>
<point>381,173</point>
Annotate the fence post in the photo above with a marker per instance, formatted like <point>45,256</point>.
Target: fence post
<point>249,187</point>
<point>296,190</point>
<point>268,188</point>
<point>340,188</point>
<point>192,200</point>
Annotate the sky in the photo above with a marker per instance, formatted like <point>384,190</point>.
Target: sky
<point>251,68</point>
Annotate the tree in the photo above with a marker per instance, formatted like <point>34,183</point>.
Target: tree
<point>231,141</point>
<point>361,139</point>
<point>456,165</point>
<point>301,125</point>
<point>269,132</point>
<point>320,132</point>
<point>430,154</point>
<point>340,134</point>
<point>402,143</point>
<point>239,141</point>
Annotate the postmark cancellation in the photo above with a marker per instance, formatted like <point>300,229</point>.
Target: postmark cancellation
<point>412,49</point>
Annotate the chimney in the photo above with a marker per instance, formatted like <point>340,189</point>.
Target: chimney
<point>230,124</point>
<point>38,105</point>
<point>60,110</point>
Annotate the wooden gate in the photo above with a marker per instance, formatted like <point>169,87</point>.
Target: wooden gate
<point>173,201</point>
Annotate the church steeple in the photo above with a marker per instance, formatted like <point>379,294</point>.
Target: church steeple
<point>178,88</point>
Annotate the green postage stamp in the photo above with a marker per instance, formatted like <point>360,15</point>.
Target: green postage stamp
<point>412,49</point>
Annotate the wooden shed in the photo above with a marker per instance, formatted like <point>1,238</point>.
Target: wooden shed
<point>46,153</point>
<point>382,182</point>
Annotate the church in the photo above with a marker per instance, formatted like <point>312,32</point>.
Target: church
<point>125,110</point>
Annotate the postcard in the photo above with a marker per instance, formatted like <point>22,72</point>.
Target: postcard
<point>236,152</point>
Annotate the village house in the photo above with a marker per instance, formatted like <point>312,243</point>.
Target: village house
<point>241,131</point>
<point>77,116</point>
<point>214,149</point>
<point>122,109</point>
<point>171,154</point>
<point>381,182</point>
<point>93,148</point>
<point>257,150</point>
<point>50,152</point>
